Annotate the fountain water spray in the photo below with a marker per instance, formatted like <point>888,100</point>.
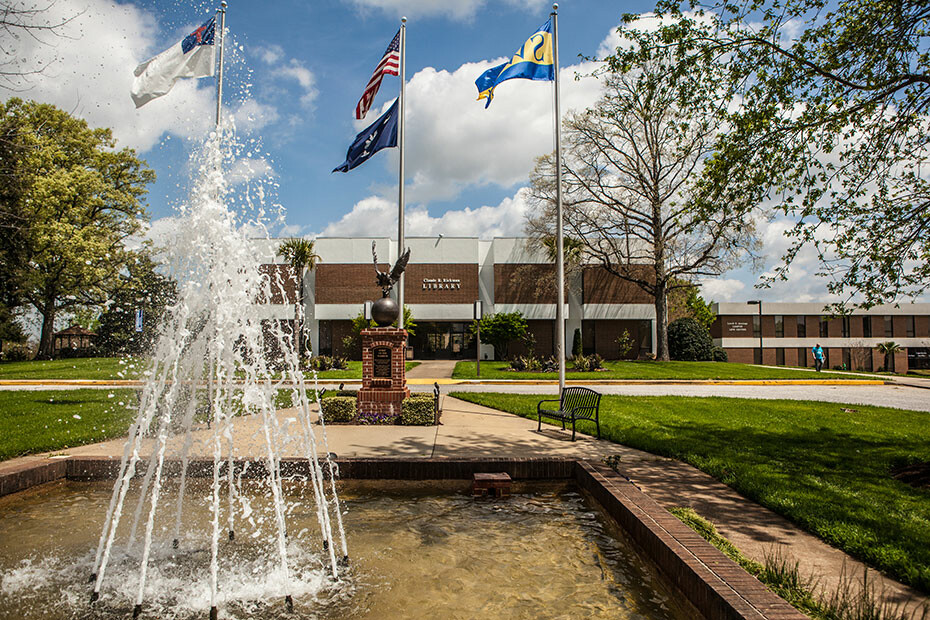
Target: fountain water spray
<point>211,364</point>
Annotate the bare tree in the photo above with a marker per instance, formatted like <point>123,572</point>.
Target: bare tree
<point>630,169</point>
<point>20,22</point>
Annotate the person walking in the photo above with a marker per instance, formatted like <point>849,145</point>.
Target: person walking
<point>818,356</point>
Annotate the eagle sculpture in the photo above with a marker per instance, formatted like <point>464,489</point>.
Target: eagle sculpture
<point>387,280</point>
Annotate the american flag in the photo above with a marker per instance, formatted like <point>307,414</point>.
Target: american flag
<point>388,66</point>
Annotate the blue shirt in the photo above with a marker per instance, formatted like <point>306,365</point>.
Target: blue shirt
<point>818,353</point>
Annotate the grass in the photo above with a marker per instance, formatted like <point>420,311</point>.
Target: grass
<point>650,370</point>
<point>783,577</point>
<point>118,368</point>
<point>76,368</point>
<point>40,421</point>
<point>822,465</point>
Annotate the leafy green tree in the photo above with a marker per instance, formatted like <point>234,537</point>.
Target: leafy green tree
<point>630,174</point>
<point>829,121</point>
<point>73,202</point>
<point>141,288</point>
<point>888,349</point>
<point>301,257</point>
<point>687,302</point>
<point>500,329</point>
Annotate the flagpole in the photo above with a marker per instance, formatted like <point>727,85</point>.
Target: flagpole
<point>401,125</point>
<point>560,261</point>
<point>219,74</point>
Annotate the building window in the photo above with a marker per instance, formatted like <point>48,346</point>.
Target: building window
<point>909,326</point>
<point>756,325</point>
<point>847,359</point>
<point>867,360</point>
<point>802,357</point>
<point>779,326</point>
<point>845,327</point>
<point>780,356</point>
<point>866,327</point>
<point>757,356</point>
<point>802,327</point>
<point>889,327</point>
<point>823,326</point>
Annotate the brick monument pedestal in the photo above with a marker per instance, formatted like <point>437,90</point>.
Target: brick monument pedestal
<point>384,380</point>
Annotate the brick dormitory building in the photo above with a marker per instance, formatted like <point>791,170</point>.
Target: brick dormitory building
<point>447,275</point>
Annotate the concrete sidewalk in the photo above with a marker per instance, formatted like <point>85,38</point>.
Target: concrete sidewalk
<point>470,430</point>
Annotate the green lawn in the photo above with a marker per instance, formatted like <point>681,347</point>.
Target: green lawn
<point>121,368</point>
<point>39,421</point>
<point>824,468</point>
<point>77,368</point>
<point>649,370</point>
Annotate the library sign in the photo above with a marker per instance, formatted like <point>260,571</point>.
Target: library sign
<point>737,326</point>
<point>438,284</point>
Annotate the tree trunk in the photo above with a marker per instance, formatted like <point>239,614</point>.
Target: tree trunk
<point>661,304</point>
<point>47,339</point>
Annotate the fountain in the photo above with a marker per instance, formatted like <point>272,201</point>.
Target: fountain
<point>210,365</point>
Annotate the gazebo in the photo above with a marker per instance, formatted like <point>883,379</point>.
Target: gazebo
<point>74,337</point>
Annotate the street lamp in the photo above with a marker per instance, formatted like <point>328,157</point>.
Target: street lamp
<point>758,302</point>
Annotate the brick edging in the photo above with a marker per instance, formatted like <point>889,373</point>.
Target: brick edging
<point>713,583</point>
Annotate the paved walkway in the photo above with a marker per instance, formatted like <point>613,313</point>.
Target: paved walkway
<point>469,430</point>
<point>432,369</point>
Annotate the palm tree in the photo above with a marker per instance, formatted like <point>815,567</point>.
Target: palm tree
<point>888,349</point>
<point>300,255</point>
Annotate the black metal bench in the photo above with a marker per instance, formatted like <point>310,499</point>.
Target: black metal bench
<point>575,403</point>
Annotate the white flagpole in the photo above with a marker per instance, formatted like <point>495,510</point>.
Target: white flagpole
<point>560,261</point>
<point>400,143</point>
<point>219,74</point>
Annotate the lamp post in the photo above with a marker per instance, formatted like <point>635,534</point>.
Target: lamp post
<point>478,339</point>
<point>758,302</point>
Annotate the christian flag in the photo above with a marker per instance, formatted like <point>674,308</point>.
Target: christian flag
<point>388,66</point>
<point>193,57</point>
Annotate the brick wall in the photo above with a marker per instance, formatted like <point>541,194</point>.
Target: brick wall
<point>347,284</point>
<point>524,284</point>
<point>599,286</point>
<point>428,283</point>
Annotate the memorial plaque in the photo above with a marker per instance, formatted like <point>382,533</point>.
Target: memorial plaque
<point>382,362</point>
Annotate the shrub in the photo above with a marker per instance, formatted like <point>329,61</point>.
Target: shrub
<point>328,362</point>
<point>588,363</point>
<point>526,363</point>
<point>624,344</point>
<point>720,355</point>
<point>418,410</point>
<point>689,341</point>
<point>16,353</point>
<point>338,409</point>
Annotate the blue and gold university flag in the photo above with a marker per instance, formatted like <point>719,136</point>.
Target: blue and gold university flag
<point>533,61</point>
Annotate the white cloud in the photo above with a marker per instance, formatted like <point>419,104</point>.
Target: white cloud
<point>248,169</point>
<point>270,54</point>
<point>98,50</point>
<point>252,115</point>
<point>295,70</point>
<point>722,289</point>
<point>458,9</point>
<point>374,214</point>
<point>453,142</point>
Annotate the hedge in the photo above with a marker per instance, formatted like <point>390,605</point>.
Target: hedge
<point>418,410</point>
<point>338,409</point>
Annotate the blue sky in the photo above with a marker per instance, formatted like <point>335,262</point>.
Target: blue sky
<point>295,72</point>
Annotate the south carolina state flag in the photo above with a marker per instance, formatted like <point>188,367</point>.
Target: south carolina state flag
<point>192,57</point>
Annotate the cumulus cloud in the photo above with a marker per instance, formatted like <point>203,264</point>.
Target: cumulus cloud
<point>252,115</point>
<point>373,214</point>
<point>97,51</point>
<point>461,10</point>
<point>296,71</point>
<point>248,169</point>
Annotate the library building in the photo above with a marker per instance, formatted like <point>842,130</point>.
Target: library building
<point>447,275</point>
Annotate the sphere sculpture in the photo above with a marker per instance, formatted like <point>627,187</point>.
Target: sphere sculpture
<point>384,311</point>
